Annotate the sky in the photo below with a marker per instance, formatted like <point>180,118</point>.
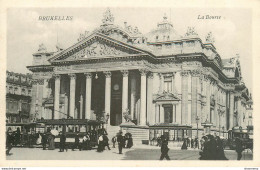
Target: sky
<point>25,32</point>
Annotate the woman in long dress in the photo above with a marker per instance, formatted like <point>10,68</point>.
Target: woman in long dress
<point>51,142</point>
<point>184,145</point>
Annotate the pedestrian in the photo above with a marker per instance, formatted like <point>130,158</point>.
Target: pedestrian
<point>62,141</point>
<point>120,141</point>
<point>184,145</point>
<point>18,137</point>
<point>100,144</point>
<point>192,143</point>
<point>114,141</point>
<point>105,141</point>
<point>51,142</point>
<point>239,148</point>
<point>76,143</point>
<point>130,141</point>
<point>44,141</point>
<point>220,155</point>
<point>9,141</point>
<point>205,151</point>
<point>164,148</point>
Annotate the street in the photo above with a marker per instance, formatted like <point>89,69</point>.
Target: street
<point>143,152</point>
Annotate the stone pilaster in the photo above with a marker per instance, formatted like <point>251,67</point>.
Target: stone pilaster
<point>161,114</point>
<point>231,110</point>
<point>184,102</point>
<point>57,97</point>
<point>88,95</point>
<point>108,75</point>
<point>150,113</point>
<point>194,93</point>
<point>125,74</point>
<point>143,97</point>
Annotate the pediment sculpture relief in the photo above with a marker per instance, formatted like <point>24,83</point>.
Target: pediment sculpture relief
<point>97,49</point>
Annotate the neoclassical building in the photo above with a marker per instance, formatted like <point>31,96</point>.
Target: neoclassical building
<point>162,81</point>
<point>18,97</point>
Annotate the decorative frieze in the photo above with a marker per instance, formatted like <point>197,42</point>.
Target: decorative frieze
<point>40,81</point>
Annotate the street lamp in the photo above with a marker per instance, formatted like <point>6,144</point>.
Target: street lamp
<point>223,130</point>
<point>197,121</point>
<point>107,118</point>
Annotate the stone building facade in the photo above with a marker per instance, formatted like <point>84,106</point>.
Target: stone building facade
<point>161,80</point>
<point>18,97</point>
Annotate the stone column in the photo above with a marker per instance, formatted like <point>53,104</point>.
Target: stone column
<point>184,103</point>
<point>178,113</point>
<point>72,94</point>
<point>124,93</point>
<point>157,113</point>
<point>231,110</point>
<point>161,114</point>
<point>207,108</point>
<point>57,97</point>
<point>108,75</point>
<point>150,113</point>
<point>143,98</point>
<point>81,107</point>
<point>194,94</point>
<point>239,112</point>
<point>133,96</point>
<point>88,95</point>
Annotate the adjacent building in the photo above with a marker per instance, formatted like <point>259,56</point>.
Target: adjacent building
<point>18,97</point>
<point>162,82</point>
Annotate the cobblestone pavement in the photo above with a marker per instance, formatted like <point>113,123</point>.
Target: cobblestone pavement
<point>135,153</point>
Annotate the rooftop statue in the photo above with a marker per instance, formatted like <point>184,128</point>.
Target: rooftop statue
<point>210,38</point>
<point>42,48</point>
<point>191,32</point>
<point>108,18</point>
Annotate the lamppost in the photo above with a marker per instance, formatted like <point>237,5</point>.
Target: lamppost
<point>107,118</point>
<point>197,121</point>
<point>223,130</point>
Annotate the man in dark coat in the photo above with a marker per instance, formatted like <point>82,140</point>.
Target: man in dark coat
<point>62,142</point>
<point>114,141</point>
<point>44,141</point>
<point>120,142</point>
<point>105,142</point>
<point>9,142</point>
<point>239,148</point>
<point>76,143</point>
<point>164,149</point>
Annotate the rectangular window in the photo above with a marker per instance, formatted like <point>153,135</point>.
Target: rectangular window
<point>168,84</point>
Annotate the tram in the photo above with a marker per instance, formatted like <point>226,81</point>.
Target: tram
<point>243,135</point>
<point>72,127</point>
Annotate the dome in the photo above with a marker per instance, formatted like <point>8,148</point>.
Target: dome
<point>163,32</point>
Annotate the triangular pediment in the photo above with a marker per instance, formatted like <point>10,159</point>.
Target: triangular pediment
<point>97,46</point>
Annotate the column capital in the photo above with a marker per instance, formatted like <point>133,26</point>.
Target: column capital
<point>88,75</point>
<point>150,75</point>
<point>143,72</point>
<point>34,81</point>
<point>72,76</point>
<point>185,73</point>
<point>40,81</point>
<point>195,73</point>
<point>56,76</point>
<point>108,74</point>
<point>125,73</point>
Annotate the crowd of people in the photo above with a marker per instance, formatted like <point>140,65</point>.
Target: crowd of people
<point>86,141</point>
